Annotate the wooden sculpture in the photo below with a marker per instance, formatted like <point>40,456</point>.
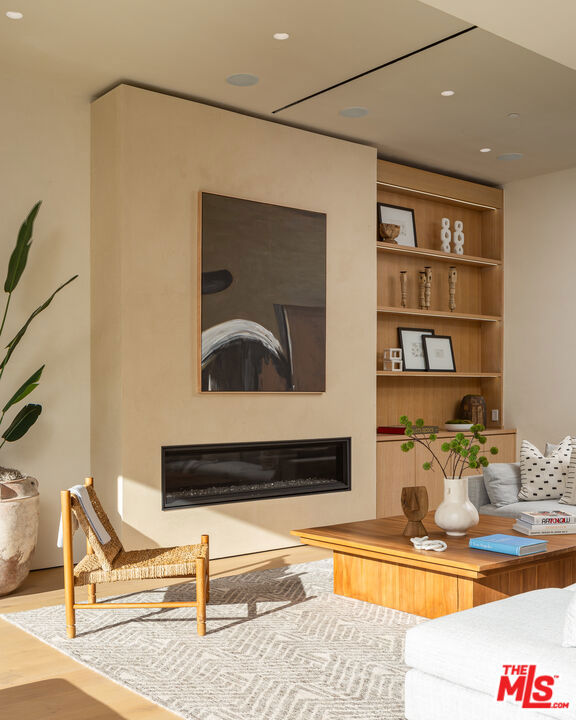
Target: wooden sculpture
<point>473,408</point>
<point>422,294</point>
<point>404,287</point>
<point>414,506</point>
<point>389,232</point>
<point>428,287</point>
<point>452,277</point>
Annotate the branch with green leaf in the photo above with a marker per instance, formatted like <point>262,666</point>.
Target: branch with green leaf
<point>462,451</point>
<point>26,416</point>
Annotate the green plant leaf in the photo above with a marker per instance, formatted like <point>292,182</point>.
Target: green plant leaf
<point>22,422</point>
<point>445,447</point>
<point>20,334</point>
<point>494,451</point>
<point>25,389</point>
<point>19,256</point>
<point>427,466</point>
<point>419,422</point>
<point>433,437</point>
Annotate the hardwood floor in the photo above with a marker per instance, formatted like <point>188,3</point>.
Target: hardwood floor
<point>37,681</point>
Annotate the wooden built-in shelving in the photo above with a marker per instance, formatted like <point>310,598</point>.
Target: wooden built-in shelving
<point>392,310</point>
<point>426,374</point>
<point>451,258</point>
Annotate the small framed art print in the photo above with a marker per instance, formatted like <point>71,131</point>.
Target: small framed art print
<point>439,354</point>
<point>410,340</point>
<point>399,224</point>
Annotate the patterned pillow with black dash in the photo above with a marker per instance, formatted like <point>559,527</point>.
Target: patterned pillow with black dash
<point>569,496</point>
<point>544,478</point>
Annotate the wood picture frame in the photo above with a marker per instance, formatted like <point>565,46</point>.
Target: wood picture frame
<point>412,344</point>
<point>439,353</point>
<point>401,216</point>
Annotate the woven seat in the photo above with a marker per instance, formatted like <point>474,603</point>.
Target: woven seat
<point>109,562</point>
<point>141,565</point>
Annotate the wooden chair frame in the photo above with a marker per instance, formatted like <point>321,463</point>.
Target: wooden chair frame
<point>202,578</point>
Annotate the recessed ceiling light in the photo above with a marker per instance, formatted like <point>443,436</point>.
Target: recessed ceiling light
<point>242,79</point>
<point>281,36</point>
<point>354,112</point>
<point>447,93</point>
<point>513,115</point>
<point>511,156</point>
<point>485,149</point>
<point>13,15</point>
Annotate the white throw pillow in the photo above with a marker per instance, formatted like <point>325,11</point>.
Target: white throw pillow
<point>544,478</point>
<point>569,635</point>
<point>569,495</point>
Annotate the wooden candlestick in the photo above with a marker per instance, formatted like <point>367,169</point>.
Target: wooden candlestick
<point>452,277</point>
<point>414,506</point>
<point>404,287</point>
<point>422,294</point>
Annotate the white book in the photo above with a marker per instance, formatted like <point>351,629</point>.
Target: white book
<point>560,529</point>
<point>547,517</point>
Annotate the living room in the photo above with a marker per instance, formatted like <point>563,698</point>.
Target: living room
<point>323,185</point>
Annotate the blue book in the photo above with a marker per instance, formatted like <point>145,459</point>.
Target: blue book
<point>509,544</point>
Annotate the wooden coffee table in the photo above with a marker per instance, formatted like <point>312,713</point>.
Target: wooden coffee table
<point>374,562</point>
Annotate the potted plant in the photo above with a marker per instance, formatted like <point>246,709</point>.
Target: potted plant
<point>455,514</point>
<point>19,501</point>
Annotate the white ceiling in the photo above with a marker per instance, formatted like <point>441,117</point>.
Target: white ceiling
<point>189,47</point>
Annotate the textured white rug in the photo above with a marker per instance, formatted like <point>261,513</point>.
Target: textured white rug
<point>279,646</point>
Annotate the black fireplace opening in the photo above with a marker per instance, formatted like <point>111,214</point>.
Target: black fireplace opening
<point>235,472</point>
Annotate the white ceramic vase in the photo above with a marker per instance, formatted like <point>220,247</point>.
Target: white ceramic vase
<point>456,514</point>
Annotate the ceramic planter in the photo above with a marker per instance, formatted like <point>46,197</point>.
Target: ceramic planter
<point>19,517</point>
<point>456,514</point>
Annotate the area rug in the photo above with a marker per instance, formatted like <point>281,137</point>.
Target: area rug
<point>279,646</point>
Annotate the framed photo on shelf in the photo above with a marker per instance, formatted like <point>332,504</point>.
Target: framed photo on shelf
<point>411,342</point>
<point>439,354</point>
<point>396,224</point>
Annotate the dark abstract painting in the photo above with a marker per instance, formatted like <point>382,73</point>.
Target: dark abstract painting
<point>263,307</point>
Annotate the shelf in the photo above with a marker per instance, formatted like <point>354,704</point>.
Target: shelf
<point>412,374</point>
<point>392,310</point>
<point>438,255</point>
<point>444,434</point>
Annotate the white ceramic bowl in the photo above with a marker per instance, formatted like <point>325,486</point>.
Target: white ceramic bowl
<point>458,427</point>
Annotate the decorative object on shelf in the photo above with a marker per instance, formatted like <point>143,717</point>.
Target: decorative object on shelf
<point>458,237</point>
<point>428,287</point>
<point>410,340</point>
<point>392,359</point>
<point>473,407</point>
<point>389,232</point>
<point>415,506</point>
<point>445,235</point>
<point>402,216</point>
<point>404,287</point>
<point>19,499</point>
<point>424,543</point>
<point>249,343</point>
<point>452,277</point>
<point>458,425</point>
<point>438,353</point>
<point>422,289</point>
<point>455,514</point>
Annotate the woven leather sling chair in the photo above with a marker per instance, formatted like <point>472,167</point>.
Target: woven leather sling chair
<point>110,563</point>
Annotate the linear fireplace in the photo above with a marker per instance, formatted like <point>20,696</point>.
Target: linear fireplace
<point>236,472</point>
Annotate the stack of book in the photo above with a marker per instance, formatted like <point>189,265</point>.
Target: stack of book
<point>552,522</point>
<point>508,544</point>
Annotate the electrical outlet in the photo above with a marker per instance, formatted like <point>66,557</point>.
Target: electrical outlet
<point>495,415</point>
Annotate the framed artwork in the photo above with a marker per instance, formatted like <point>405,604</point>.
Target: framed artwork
<point>262,298</point>
<point>439,353</point>
<point>397,224</point>
<point>410,340</point>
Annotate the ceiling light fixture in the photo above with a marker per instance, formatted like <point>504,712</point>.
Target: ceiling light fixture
<point>14,15</point>
<point>447,93</point>
<point>511,156</point>
<point>485,149</point>
<point>242,79</point>
<point>281,36</point>
<point>513,115</point>
<point>354,112</point>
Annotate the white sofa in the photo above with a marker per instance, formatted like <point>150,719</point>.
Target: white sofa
<point>479,498</point>
<point>456,661</point>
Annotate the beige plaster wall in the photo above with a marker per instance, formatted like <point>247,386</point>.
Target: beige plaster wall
<point>152,155</point>
<point>540,295</point>
<point>45,155</point>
